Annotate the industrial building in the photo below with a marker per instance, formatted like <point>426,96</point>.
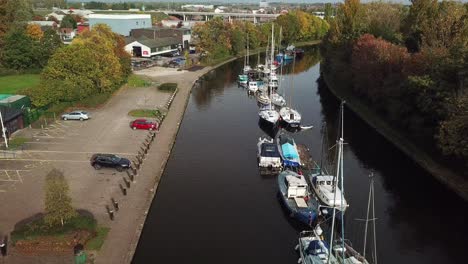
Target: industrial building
<point>121,24</point>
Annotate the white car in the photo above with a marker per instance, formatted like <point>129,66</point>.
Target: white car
<point>76,115</point>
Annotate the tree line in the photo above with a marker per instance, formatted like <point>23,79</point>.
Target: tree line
<point>94,63</point>
<point>220,39</point>
<point>409,64</point>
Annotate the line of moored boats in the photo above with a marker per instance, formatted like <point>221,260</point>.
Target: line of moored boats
<point>314,197</point>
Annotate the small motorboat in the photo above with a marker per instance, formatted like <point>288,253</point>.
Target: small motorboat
<point>243,79</point>
<point>253,86</point>
<point>269,159</point>
<point>288,151</point>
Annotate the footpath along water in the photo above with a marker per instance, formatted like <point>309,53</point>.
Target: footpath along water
<point>212,206</point>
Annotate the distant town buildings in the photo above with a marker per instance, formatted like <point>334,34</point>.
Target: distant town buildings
<point>263,4</point>
<point>198,7</point>
<point>121,24</point>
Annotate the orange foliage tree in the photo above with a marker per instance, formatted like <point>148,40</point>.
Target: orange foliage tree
<point>34,31</point>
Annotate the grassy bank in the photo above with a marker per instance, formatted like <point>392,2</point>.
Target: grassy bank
<point>441,172</point>
<point>12,84</point>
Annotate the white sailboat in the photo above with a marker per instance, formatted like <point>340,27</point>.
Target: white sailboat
<point>269,113</point>
<point>326,186</point>
<point>289,115</point>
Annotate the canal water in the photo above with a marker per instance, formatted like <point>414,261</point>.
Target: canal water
<point>212,206</point>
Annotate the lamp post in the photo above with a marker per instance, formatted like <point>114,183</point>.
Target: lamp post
<point>3,130</point>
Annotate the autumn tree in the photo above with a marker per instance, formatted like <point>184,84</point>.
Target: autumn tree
<point>13,13</point>
<point>91,64</point>
<point>58,203</point>
<point>452,137</point>
<point>384,20</point>
<point>34,31</point>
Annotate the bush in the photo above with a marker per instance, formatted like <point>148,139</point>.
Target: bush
<point>168,87</point>
<point>39,227</point>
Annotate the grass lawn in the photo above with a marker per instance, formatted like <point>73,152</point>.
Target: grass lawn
<point>12,83</point>
<point>151,113</point>
<point>137,81</point>
<point>17,142</point>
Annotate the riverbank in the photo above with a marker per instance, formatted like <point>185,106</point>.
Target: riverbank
<point>442,173</point>
<point>123,238</point>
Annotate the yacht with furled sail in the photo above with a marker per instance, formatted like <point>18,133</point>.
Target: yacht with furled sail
<point>326,186</point>
<point>289,115</point>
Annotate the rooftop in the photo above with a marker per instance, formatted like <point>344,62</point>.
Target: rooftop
<point>119,16</point>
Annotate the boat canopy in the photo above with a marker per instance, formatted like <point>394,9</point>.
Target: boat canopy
<point>289,151</point>
<point>317,247</point>
<point>321,178</point>
<point>294,180</point>
<point>269,150</point>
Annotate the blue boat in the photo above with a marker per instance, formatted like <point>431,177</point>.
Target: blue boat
<point>295,196</point>
<point>288,151</point>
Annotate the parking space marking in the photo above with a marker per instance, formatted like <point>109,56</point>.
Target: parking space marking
<point>76,152</point>
<point>46,160</point>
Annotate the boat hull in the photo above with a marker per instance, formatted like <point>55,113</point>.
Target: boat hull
<point>307,215</point>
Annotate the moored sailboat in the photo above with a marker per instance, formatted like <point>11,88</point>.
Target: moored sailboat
<point>326,186</point>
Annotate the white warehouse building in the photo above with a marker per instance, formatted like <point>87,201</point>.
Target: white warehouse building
<point>121,24</point>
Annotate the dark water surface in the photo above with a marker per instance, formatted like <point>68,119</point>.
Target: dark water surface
<point>212,206</point>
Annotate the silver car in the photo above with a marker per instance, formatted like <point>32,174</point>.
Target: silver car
<point>76,115</point>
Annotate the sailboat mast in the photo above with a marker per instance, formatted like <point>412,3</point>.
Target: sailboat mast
<point>373,219</point>
<point>341,173</point>
<point>272,45</point>
<point>247,57</point>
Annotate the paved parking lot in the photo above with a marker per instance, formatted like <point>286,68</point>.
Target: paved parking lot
<point>68,146</point>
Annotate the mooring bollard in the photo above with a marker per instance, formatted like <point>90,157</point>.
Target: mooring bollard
<point>130,176</point>
<point>110,212</point>
<point>134,170</point>
<point>115,203</point>
<point>124,191</point>
<point>127,183</point>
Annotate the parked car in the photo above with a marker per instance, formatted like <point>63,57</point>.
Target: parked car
<point>109,160</point>
<point>144,124</point>
<point>76,115</point>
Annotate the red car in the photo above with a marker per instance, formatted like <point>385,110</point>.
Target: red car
<point>144,124</point>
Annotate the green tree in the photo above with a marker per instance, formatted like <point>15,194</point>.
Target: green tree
<point>58,203</point>
<point>50,42</point>
<point>291,27</point>
<point>329,11</point>
<point>68,21</point>
<point>18,50</point>
<point>452,137</point>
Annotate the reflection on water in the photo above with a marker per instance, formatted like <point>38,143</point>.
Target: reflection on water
<point>427,220</point>
<point>212,206</point>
